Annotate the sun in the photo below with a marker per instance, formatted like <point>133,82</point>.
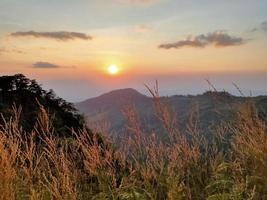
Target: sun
<point>113,69</point>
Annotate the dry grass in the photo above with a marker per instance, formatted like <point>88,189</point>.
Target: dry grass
<point>38,165</point>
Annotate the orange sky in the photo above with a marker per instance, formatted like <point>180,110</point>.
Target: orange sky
<point>146,40</point>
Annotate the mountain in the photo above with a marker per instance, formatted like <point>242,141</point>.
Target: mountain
<point>213,108</point>
<point>109,107</point>
<point>112,100</point>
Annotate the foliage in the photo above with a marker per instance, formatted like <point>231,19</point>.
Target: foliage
<point>231,164</point>
<point>29,95</point>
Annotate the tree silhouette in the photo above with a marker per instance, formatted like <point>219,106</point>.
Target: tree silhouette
<point>21,91</point>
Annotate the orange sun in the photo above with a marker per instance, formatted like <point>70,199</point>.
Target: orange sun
<point>113,69</point>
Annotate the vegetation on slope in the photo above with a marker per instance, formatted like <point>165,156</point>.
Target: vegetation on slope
<point>214,107</point>
<point>230,164</point>
<point>21,91</point>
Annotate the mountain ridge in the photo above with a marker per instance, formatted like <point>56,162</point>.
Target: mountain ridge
<point>110,107</point>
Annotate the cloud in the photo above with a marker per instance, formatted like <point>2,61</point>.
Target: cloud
<point>45,65</point>
<point>11,50</point>
<point>217,38</point>
<point>143,29</point>
<point>261,27</point>
<point>59,35</point>
<point>253,30</point>
<point>17,51</point>
<point>264,26</point>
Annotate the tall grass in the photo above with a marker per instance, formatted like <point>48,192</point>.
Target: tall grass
<point>231,164</point>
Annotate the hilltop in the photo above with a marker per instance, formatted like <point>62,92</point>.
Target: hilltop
<point>212,108</point>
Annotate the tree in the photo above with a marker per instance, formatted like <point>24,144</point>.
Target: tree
<point>21,91</point>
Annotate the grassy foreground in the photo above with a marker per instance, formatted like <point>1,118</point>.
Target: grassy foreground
<point>229,164</point>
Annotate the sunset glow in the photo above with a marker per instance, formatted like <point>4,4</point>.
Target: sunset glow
<point>113,70</point>
<point>84,45</point>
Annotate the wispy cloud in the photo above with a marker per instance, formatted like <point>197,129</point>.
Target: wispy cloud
<point>11,50</point>
<point>58,35</point>
<point>45,65</point>
<point>143,29</point>
<point>264,26</point>
<point>261,27</point>
<point>217,38</point>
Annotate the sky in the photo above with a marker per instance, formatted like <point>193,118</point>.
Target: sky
<point>67,45</point>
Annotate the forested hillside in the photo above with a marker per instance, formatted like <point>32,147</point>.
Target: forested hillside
<point>212,108</point>
<point>182,161</point>
<point>20,92</point>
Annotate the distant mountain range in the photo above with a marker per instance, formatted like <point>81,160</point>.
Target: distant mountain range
<point>213,107</point>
